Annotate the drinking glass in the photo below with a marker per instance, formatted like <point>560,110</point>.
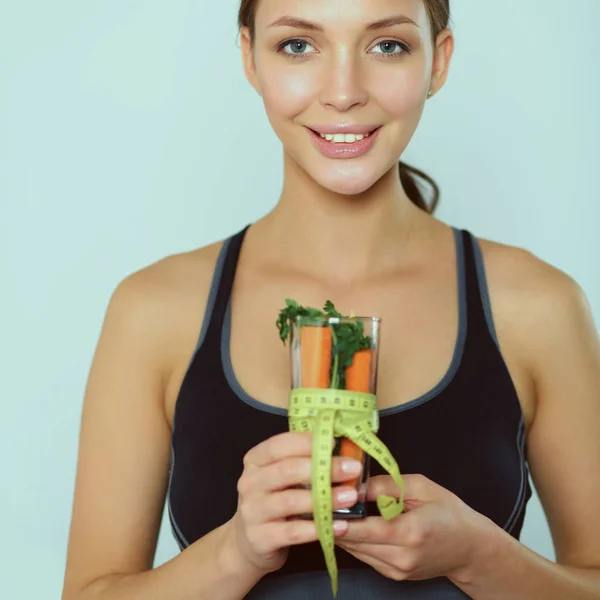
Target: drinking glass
<point>315,344</point>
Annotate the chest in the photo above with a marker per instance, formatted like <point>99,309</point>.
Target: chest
<point>423,332</point>
<point>446,393</point>
<point>468,442</point>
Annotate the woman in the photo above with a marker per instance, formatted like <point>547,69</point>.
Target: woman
<point>490,364</point>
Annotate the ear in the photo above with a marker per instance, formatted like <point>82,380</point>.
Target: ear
<point>444,48</point>
<point>248,58</point>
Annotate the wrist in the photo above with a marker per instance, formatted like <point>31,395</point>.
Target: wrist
<point>488,547</point>
<point>232,560</point>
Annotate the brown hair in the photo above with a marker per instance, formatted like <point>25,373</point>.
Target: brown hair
<point>439,16</point>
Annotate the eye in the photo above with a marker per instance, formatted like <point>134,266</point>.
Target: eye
<point>296,48</point>
<point>390,48</point>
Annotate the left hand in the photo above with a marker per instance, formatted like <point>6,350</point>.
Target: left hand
<point>436,535</point>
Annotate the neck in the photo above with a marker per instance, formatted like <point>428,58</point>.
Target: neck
<point>342,238</point>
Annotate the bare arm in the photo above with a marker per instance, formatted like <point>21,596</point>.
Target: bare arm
<point>123,466</point>
<point>559,335</point>
<point>197,573</point>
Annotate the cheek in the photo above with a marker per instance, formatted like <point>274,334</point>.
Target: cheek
<point>286,94</point>
<point>400,95</point>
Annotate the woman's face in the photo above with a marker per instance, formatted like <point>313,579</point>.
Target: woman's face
<point>324,64</point>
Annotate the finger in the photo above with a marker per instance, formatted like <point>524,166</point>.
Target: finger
<point>418,489</point>
<point>383,567</point>
<point>372,530</point>
<point>408,530</point>
<point>295,471</point>
<point>282,445</point>
<point>294,502</point>
<point>404,560</point>
<point>272,536</point>
<point>381,552</point>
<point>278,447</point>
<point>381,484</point>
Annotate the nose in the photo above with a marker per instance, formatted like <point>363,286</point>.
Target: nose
<point>343,87</point>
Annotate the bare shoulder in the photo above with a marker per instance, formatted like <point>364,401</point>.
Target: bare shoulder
<point>167,300</point>
<point>536,303</point>
<point>548,319</point>
<point>171,279</point>
<point>516,269</point>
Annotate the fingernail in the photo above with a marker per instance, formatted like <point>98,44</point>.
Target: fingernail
<point>351,466</point>
<point>340,527</point>
<point>346,496</point>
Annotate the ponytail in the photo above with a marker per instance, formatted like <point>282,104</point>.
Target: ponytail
<point>408,178</point>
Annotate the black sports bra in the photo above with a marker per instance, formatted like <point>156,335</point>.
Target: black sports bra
<point>467,434</point>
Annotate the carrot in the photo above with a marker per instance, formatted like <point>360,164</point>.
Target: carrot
<point>358,379</point>
<point>315,346</point>
<point>358,375</point>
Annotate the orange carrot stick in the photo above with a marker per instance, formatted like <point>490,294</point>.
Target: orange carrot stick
<point>315,354</point>
<point>358,375</point>
<point>358,379</point>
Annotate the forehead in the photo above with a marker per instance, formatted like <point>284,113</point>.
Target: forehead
<point>335,15</point>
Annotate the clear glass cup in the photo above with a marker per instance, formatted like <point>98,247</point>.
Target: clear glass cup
<point>315,342</point>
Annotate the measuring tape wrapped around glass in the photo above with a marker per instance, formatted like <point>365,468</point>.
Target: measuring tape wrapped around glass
<point>329,413</point>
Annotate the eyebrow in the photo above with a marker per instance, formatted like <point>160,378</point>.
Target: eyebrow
<point>289,21</point>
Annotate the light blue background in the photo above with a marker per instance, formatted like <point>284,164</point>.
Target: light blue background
<point>128,132</point>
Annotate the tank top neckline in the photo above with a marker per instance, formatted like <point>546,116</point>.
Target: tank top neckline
<point>476,395</point>
<point>457,355</point>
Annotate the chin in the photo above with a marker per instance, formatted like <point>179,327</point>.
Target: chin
<point>346,188</point>
<point>348,182</point>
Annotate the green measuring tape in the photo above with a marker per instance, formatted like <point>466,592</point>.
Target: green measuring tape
<point>330,413</point>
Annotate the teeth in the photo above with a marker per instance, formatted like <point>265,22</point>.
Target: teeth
<point>344,138</point>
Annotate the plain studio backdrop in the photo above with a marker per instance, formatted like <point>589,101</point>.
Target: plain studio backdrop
<point>128,132</point>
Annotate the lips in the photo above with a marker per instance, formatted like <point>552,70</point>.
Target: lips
<point>355,130</point>
<point>343,149</point>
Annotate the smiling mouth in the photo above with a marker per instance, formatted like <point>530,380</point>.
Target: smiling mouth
<point>344,138</point>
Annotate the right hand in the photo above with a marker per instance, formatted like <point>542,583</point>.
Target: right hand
<point>261,531</point>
